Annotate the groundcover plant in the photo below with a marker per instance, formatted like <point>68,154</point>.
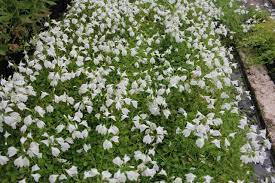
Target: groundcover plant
<point>128,91</point>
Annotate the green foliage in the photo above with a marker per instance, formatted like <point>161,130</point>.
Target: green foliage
<point>259,43</point>
<point>234,21</point>
<point>19,20</point>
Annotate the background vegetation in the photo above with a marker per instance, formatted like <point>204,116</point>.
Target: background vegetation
<point>259,41</point>
<point>19,20</point>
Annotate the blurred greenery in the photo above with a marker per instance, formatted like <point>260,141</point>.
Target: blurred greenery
<point>234,21</point>
<point>19,20</point>
<point>259,43</point>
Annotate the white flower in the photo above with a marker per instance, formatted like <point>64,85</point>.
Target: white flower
<point>177,180</point>
<point>207,179</point>
<point>36,177</point>
<point>186,132</point>
<point>154,109</point>
<point>226,142</point>
<point>115,139</point>
<point>35,168</point>
<point>243,123</point>
<point>118,161</point>
<point>92,173</point>
<point>215,133</point>
<point>147,139</point>
<point>40,110</point>
<point>55,151</point>
<point>49,108</point>
<point>73,53</point>
<point>78,116</point>
<point>59,128</point>
<point>62,177</point>
<point>3,160</point>
<point>107,145</point>
<point>188,129</point>
<point>23,140</point>
<point>28,120</point>
<point>113,129</point>
<point>12,151</point>
<point>149,172</point>
<point>120,177</point>
<point>232,135</point>
<point>132,176</point>
<point>200,142</point>
<point>152,60</point>
<point>40,124</point>
<point>162,172</point>
<point>217,143</point>
<point>171,1</point>
<point>89,109</point>
<point>134,103</point>
<point>86,147</point>
<point>197,72</point>
<point>64,146</point>
<point>12,119</point>
<point>166,113</point>
<point>174,81</point>
<point>52,178</point>
<point>43,94</point>
<point>79,61</point>
<point>190,177</point>
<point>101,129</point>
<point>71,128</point>
<point>106,175</point>
<point>126,158</point>
<point>160,131</point>
<point>22,181</point>
<point>34,149</point>
<point>72,171</point>
<point>21,162</point>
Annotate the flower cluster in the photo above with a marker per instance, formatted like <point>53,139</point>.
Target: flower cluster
<point>127,91</point>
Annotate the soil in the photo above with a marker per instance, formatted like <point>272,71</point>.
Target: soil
<point>58,9</point>
<point>271,71</point>
<point>56,13</point>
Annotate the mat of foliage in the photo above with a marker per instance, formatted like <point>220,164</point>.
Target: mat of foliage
<point>128,91</point>
<point>259,45</point>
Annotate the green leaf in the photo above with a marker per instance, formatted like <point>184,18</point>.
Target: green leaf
<point>24,5</point>
<point>5,18</point>
<point>26,19</point>
<point>3,49</point>
<point>51,3</point>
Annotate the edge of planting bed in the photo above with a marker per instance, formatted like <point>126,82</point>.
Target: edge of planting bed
<point>263,94</point>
